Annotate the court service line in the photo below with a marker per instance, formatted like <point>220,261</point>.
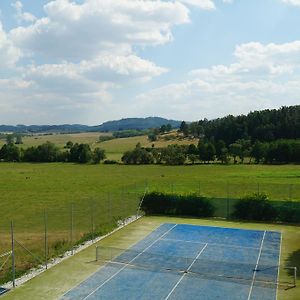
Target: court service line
<point>114,275</point>
<point>181,278</point>
<point>211,244</point>
<point>255,269</point>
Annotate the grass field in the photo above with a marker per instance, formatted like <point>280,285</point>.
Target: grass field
<point>59,279</point>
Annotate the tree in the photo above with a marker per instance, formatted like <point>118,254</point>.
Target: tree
<point>235,150</point>
<point>98,155</point>
<point>210,152</point>
<point>19,139</point>
<point>184,128</point>
<point>207,151</point>
<point>224,156</point>
<point>10,152</point>
<point>173,155</point>
<point>163,129</point>
<point>219,145</point>
<point>258,151</point>
<point>10,139</point>
<point>168,127</point>
<point>80,153</point>
<point>69,145</point>
<point>152,137</point>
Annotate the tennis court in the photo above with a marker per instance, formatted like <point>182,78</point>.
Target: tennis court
<point>179,261</point>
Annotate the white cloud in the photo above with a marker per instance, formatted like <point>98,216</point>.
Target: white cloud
<point>292,2</point>
<point>73,31</point>
<point>263,76</point>
<point>9,54</point>
<point>20,15</point>
<point>203,4</point>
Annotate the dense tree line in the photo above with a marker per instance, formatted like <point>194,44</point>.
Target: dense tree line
<point>264,126</point>
<point>48,152</point>
<point>280,151</point>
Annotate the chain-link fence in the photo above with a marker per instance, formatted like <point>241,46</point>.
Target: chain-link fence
<point>228,189</point>
<point>51,231</point>
<point>30,241</point>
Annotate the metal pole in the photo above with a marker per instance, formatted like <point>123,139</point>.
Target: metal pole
<point>72,250</point>
<point>13,267</point>
<point>290,192</point>
<point>92,221</point>
<point>109,208</point>
<point>227,192</point>
<point>258,190</point>
<point>46,239</point>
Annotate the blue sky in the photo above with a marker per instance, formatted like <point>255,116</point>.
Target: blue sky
<point>90,61</point>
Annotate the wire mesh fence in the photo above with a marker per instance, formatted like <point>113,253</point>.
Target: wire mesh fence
<point>49,232</point>
<point>217,189</point>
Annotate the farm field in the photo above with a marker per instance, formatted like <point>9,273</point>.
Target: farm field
<point>114,148</point>
<point>59,279</point>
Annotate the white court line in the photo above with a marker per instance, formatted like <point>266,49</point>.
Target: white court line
<point>212,244</point>
<point>254,272</point>
<point>278,265</point>
<point>111,277</point>
<point>175,286</point>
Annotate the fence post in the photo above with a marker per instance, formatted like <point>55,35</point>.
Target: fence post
<point>109,208</point>
<point>92,221</point>
<point>72,223</point>
<point>13,267</point>
<point>227,195</point>
<point>46,239</point>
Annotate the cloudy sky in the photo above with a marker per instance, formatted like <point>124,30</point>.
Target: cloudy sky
<point>89,61</point>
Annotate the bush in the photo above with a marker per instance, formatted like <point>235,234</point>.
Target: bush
<point>255,207</point>
<point>110,162</point>
<point>288,211</point>
<point>171,204</point>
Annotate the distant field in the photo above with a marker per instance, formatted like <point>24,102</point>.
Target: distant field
<point>114,148</point>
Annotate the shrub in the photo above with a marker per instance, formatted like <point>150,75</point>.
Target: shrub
<point>255,207</point>
<point>171,204</point>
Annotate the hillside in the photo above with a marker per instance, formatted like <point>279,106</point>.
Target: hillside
<point>136,123</point>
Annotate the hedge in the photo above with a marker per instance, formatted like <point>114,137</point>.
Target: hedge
<point>179,205</point>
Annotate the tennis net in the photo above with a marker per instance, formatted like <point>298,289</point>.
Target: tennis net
<point>230,270</point>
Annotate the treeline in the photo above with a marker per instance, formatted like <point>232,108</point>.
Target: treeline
<point>264,126</point>
<point>280,151</point>
<point>48,152</point>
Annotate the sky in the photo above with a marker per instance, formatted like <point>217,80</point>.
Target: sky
<point>90,61</point>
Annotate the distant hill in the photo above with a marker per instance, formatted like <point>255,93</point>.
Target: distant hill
<point>124,124</point>
<point>136,123</point>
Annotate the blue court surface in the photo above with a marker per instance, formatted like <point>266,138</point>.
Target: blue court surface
<point>178,261</point>
<point>3,291</point>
